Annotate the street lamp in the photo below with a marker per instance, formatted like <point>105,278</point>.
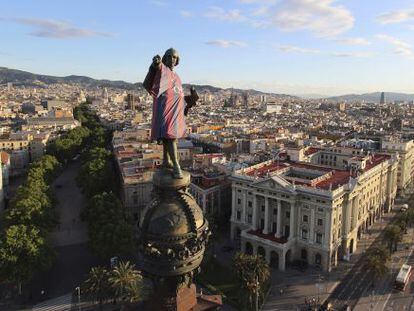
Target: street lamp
<point>78,291</point>
<point>257,293</point>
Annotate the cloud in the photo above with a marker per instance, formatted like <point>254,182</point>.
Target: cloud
<point>296,49</point>
<point>185,13</point>
<point>262,2</point>
<point>400,47</point>
<point>353,41</point>
<point>393,40</point>
<point>395,17</point>
<point>221,14</point>
<point>300,50</point>
<point>320,17</point>
<point>352,54</point>
<point>227,43</point>
<point>261,11</point>
<point>48,28</point>
<point>159,3</point>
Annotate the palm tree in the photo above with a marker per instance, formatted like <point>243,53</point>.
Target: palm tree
<point>127,282</point>
<point>253,272</point>
<point>410,216</point>
<point>403,220</point>
<point>97,284</point>
<point>377,265</point>
<point>393,235</point>
<point>379,251</point>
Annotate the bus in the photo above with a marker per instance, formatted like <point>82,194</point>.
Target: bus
<point>403,277</point>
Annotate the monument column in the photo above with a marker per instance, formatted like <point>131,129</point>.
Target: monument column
<point>171,254</point>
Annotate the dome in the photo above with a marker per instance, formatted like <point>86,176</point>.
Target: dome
<point>173,231</point>
<point>175,217</point>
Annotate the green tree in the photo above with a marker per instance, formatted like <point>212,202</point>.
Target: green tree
<point>110,231</point>
<point>29,211</point>
<point>98,285</point>
<point>376,261</point>
<point>253,272</point>
<point>127,282</point>
<point>49,167</point>
<point>95,177</point>
<point>393,235</point>
<point>23,250</point>
<point>97,153</point>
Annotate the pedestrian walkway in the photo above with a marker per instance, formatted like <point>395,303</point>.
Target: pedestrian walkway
<point>376,298</point>
<point>61,303</point>
<point>314,285</point>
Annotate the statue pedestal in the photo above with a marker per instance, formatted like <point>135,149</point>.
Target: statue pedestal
<point>172,237</point>
<point>183,300</point>
<point>163,179</point>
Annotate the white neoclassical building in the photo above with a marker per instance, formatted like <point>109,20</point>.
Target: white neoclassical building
<point>287,211</point>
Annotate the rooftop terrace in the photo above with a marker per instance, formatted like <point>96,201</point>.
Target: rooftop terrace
<point>308,174</point>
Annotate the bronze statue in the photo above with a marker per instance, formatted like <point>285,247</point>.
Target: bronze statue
<point>169,107</point>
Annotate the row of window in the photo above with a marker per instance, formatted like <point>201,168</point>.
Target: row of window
<point>305,236</point>
<point>305,218</point>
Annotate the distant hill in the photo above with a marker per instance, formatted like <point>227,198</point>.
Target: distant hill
<point>373,97</point>
<point>19,77</point>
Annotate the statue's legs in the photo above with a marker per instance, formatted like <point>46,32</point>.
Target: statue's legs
<point>166,162</point>
<point>172,150</point>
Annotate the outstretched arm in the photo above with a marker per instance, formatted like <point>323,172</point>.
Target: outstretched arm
<point>152,71</point>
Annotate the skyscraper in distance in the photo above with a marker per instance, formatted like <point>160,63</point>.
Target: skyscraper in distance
<point>382,100</point>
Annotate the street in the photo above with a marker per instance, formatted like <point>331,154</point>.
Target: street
<point>383,296</point>
<point>73,257</point>
<point>343,285</point>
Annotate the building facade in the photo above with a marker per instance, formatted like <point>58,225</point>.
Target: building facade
<point>405,151</point>
<point>288,211</point>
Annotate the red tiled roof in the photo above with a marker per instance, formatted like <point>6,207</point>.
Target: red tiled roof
<point>375,160</point>
<point>311,150</point>
<point>262,171</point>
<point>338,178</point>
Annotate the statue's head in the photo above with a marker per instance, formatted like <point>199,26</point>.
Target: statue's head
<point>171,58</point>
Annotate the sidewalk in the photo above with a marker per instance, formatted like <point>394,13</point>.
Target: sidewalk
<point>376,298</point>
<point>297,286</point>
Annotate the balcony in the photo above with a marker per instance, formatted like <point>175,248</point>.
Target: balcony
<point>269,237</point>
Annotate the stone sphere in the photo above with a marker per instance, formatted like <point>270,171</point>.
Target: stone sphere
<point>173,231</point>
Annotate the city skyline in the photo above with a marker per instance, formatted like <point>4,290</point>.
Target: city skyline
<point>295,47</point>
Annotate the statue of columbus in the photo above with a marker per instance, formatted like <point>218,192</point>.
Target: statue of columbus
<point>169,107</point>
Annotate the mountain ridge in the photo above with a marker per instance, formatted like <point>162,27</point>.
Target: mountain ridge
<point>373,97</point>
<point>20,77</point>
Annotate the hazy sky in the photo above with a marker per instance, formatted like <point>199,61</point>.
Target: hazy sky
<point>286,46</point>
